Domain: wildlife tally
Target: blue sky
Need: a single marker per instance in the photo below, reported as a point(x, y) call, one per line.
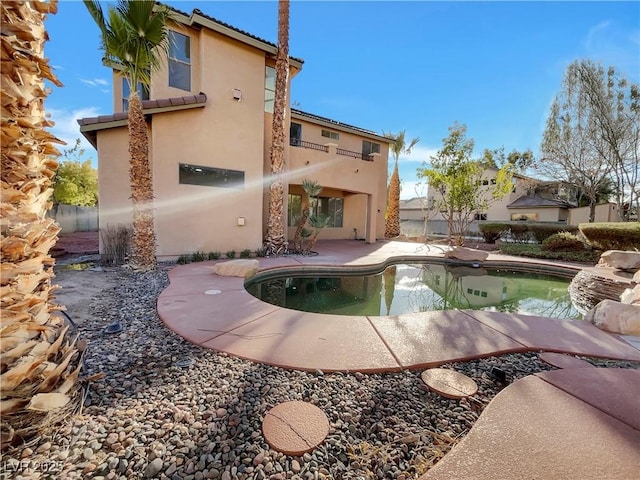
point(388, 66)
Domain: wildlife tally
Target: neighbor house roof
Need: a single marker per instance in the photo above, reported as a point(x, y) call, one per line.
point(327, 122)
point(416, 203)
point(198, 18)
point(89, 125)
point(528, 201)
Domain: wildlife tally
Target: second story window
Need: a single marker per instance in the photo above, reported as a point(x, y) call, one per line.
point(295, 134)
point(143, 93)
point(179, 61)
point(330, 134)
point(269, 89)
point(368, 148)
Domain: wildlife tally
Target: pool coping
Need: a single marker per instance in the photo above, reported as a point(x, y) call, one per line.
point(235, 322)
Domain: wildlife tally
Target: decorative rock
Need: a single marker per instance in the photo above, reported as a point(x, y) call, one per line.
point(467, 254)
point(237, 268)
point(631, 296)
point(561, 360)
point(449, 383)
point(620, 259)
point(615, 317)
point(153, 468)
point(295, 427)
point(636, 277)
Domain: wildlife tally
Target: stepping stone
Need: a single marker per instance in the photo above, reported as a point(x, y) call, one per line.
point(561, 360)
point(295, 428)
point(449, 383)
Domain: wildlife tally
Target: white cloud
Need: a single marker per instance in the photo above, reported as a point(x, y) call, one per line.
point(418, 154)
point(412, 188)
point(595, 33)
point(95, 82)
point(66, 127)
point(613, 46)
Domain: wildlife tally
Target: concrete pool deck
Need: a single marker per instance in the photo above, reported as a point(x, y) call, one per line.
point(578, 423)
point(218, 313)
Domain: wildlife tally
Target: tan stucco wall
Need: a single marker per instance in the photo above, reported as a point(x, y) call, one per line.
point(228, 134)
point(343, 173)
point(607, 212)
point(113, 177)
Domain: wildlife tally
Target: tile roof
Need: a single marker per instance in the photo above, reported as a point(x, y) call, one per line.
point(197, 11)
point(413, 203)
point(337, 124)
point(147, 105)
point(538, 201)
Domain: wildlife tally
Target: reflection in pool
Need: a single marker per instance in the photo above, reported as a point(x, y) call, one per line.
point(408, 288)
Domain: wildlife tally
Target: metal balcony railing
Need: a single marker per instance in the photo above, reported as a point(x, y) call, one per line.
point(349, 153)
point(294, 142)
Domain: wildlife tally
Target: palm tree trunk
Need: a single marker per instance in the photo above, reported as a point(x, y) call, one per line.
point(276, 239)
point(39, 362)
point(392, 225)
point(140, 178)
point(297, 239)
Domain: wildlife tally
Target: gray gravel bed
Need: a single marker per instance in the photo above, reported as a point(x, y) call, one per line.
point(149, 418)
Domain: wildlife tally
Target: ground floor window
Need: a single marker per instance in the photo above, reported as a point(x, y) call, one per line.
point(524, 216)
point(330, 207)
point(480, 216)
point(210, 177)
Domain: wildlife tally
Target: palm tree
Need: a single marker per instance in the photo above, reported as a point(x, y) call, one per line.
point(275, 241)
point(135, 38)
point(311, 189)
point(392, 216)
point(39, 361)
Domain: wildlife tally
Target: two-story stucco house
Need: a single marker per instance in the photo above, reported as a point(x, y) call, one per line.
point(209, 115)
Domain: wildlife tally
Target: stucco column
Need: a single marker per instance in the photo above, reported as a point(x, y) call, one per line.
point(370, 235)
point(331, 148)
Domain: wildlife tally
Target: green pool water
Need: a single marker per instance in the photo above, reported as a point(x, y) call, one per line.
point(409, 288)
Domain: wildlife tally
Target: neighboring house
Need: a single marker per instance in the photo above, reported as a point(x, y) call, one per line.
point(413, 209)
point(530, 199)
point(209, 113)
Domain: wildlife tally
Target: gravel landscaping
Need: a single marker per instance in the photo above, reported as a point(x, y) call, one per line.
point(171, 410)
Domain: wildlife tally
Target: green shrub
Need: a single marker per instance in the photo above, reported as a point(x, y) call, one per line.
point(261, 252)
point(563, 242)
point(184, 259)
point(612, 236)
point(213, 255)
point(535, 251)
point(231, 254)
point(519, 232)
point(541, 231)
point(492, 231)
point(198, 257)
point(246, 253)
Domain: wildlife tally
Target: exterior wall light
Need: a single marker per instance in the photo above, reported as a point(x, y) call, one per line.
point(237, 94)
point(241, 221)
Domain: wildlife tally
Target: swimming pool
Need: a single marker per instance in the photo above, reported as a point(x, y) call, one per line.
point(418, 287)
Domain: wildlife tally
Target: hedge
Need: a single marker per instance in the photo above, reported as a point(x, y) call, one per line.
point(612, 235)
point(522, 232)
point(493, 231)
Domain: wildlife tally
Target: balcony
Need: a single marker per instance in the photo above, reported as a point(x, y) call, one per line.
point(295, 142)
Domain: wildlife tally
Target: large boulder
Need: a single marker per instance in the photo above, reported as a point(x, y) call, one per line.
point(237, 268)
point(636, 277)
point(620, 260)
point(631, 296)
point(616, 317)
point(467, 254)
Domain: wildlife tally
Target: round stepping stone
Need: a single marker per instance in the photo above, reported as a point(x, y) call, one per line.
point(449, 383)
point(560, 360)
point(295, 428)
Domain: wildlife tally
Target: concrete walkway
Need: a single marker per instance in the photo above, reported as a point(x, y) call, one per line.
point(217, 312)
